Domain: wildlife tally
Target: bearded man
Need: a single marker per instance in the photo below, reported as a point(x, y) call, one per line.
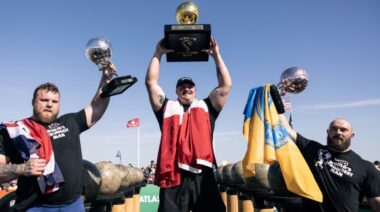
point(342, 175)
point(44, 151)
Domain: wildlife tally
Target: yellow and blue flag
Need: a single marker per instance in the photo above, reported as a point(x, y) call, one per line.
point(268, 141)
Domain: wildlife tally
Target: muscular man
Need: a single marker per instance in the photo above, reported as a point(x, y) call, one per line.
point(342, 175)
point(186, 159)
point(57, 137)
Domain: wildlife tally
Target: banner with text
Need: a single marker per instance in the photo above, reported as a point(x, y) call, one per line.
point(149, 198)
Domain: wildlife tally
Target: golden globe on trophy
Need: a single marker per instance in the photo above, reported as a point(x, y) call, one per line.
point(98, 51)
point(187, 39)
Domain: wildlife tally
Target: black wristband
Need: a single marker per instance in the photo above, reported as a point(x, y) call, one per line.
point(277, 101)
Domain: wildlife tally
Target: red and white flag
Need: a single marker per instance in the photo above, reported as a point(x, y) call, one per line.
point(287, 105)
point(133, 123)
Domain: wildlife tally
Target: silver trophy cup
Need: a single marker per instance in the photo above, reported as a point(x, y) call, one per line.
point(98, 51)
point(293, 80)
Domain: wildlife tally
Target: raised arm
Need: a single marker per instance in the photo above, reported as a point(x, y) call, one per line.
point(218, 95)
point(98, 104)
point(155, 92)
point(277, 101)
point(292, 133)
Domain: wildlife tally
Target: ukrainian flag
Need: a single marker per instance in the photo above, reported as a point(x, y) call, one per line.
point(268, 141)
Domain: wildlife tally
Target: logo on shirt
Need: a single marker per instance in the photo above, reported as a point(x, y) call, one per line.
point(323, 155)
point(57, 130)
point(336, 166)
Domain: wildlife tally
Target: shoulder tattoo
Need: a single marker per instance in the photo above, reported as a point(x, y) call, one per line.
point(214, 94)
point(162, 99)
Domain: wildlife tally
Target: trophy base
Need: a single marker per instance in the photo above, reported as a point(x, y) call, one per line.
point(117, 86)
point(187, 41)
point(186, 57)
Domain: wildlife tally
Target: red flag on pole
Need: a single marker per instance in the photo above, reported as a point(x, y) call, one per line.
point(133, 123)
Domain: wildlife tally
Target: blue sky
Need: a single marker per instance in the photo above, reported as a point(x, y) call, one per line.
point(337, 42)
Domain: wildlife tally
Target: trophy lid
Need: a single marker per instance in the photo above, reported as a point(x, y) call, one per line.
point(98, 50)
point(187, 13)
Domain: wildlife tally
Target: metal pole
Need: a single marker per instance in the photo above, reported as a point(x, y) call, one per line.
point(138, 146)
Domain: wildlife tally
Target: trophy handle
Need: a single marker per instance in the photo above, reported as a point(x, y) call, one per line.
point(112, 76)
point(109, 70)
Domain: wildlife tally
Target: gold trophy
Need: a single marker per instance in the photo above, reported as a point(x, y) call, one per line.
point(98, 51)
point(187, 38)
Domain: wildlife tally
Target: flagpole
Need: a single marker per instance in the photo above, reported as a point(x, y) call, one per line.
point(290, 114)
point(136, 123)
point(118, 155)
point(138, 146)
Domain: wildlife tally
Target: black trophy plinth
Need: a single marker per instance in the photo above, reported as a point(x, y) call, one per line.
point(187, 41)
point(117, 86)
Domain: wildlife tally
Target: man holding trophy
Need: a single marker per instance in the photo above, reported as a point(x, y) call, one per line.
point(44, 150)
point(342, 175)
point(185, 159)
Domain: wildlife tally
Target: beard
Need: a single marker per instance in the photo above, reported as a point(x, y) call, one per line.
point(47, 119)
point(337, 144)
point(186, 97)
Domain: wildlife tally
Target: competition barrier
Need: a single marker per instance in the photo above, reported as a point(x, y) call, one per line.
point(116, 188)
point(260, 193)
point(112, 187)
point(264, 192)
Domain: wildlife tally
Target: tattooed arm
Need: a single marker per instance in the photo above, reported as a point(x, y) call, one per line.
point(9, 172)
point(155, 92)
point(219, 95)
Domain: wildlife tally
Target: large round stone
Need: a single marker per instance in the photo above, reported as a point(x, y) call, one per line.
point(237, 174)
point(126, 181)
point(260, 179)
point(227, 175)
point(91, 181)
point(111, 177)
point(276, 180)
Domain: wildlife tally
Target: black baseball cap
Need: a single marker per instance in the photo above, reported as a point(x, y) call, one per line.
point(184, 80)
